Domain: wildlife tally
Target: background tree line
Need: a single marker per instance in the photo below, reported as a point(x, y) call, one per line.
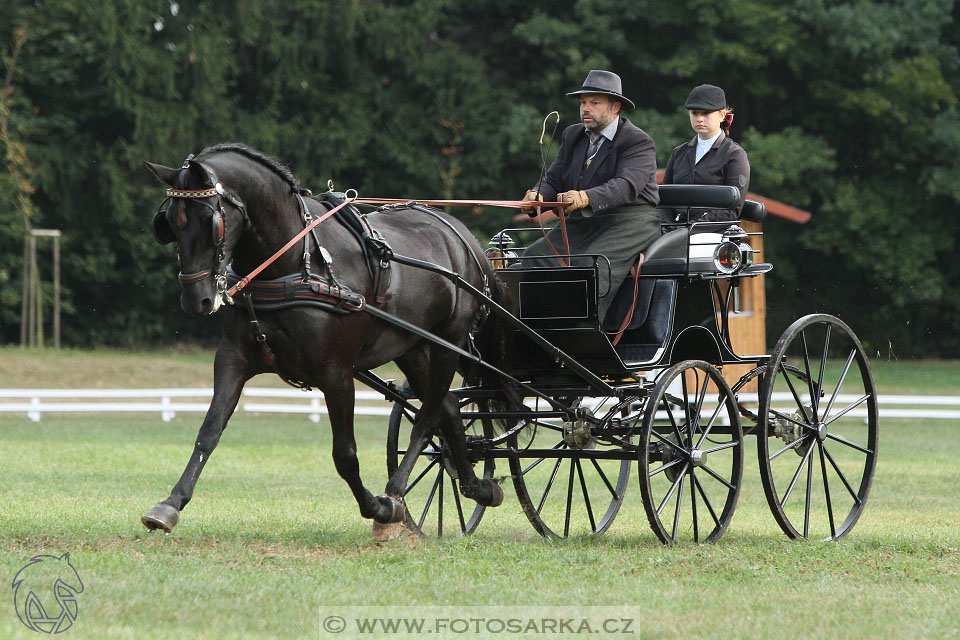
point(846, 108)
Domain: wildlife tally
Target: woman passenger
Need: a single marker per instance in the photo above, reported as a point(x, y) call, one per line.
point(711, 157)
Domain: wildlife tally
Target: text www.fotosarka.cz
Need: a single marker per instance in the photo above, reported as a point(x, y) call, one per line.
point(479, 621)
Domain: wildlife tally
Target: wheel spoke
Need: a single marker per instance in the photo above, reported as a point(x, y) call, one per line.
point(826, 491)
point(706, 501)
point(420, 476)
point(586, 496)
point(719, 478)
point(566, 520)
point(726, 445)
point(676, 510)
point(440, 503)
point(549, 486)
point(787, 448)
point(686, 405)
point(456, 499)
point(853, 405)
point(843, 478)
point(793, 390)
point(806, 365)
point(695, 418)
point(603, 476)
point(834, 436)
point(674, 445)
point(796, 475)
point(806, 506)
point(673, 488)
point(823, 366)
point(664, 467)
point(693, 502)
point(713, 418)
point(673, 420)
point(433, 492)
point(836, 391)
point(559, 445)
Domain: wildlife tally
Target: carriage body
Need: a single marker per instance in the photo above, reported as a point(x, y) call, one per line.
point(654, 393)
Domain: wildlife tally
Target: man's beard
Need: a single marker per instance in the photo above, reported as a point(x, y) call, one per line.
point(600, 122)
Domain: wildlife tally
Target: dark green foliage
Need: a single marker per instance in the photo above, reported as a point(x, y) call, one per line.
point(848, 109)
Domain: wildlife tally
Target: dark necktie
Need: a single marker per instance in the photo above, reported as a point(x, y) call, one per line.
point(593, 147)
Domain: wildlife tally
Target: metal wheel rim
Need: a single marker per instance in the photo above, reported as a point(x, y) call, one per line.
point(837, 461)
point(432, 494)
point(716, 482)
point(580, 484)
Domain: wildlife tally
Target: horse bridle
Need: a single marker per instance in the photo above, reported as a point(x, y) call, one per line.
point(219, 226)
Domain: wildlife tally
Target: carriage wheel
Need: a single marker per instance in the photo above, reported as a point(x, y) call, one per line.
point(434, 504)
point(562, 491)
point(817, 434)
point(691, 454)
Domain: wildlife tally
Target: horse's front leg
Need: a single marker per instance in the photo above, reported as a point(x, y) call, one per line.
point(229, 377)
point(340, 404)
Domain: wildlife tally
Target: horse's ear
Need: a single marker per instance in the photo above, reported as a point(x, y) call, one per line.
point(164, 174)
point(199, 172)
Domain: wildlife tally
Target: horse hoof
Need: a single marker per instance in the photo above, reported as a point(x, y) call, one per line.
point(162, 516)
point(496, 497)
point(397, 509)
point(382, 532)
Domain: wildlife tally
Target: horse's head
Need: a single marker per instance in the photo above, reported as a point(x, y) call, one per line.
point(206, 220)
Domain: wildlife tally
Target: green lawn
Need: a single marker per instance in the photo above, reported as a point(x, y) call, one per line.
point(273, 535)
point(273, 538)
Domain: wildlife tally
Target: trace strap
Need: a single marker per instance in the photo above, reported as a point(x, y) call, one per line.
point(253, 274)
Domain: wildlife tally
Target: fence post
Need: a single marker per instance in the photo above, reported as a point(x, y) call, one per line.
point(34, 415)
point(166, 414)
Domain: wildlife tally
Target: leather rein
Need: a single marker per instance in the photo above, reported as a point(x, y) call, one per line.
point(220, 227)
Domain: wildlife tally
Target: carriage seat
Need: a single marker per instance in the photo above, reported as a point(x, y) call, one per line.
point(690, 197)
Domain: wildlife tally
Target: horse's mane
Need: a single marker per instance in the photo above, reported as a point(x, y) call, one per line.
point(258, 156)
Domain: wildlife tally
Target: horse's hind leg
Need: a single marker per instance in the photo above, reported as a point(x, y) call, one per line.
point(340, 404)
point(229, 378)
point(440, 413)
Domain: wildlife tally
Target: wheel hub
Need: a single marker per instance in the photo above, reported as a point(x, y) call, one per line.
point(821, 432)
point(790, 432)
point(698, 458)
point(668, 455)
point(577, 433)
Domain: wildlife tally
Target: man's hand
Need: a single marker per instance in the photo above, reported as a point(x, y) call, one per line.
point(577, 199)
point(531, 196)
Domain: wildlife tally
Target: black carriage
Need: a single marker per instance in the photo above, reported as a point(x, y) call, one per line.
point(648, 388)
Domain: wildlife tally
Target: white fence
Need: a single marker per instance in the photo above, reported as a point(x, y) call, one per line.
point(168, 402)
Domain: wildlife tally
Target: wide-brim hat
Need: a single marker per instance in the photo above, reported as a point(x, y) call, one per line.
point(606, 83)
point(706, 97)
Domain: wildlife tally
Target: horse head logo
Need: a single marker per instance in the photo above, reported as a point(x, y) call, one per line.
point(45, 593)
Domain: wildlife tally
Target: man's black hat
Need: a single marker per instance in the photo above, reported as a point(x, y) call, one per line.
point(706, 97)
point(606, 83)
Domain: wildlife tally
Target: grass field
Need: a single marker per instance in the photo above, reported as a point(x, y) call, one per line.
point(273, 535)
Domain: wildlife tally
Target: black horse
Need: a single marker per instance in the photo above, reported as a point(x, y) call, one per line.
point(232, 205)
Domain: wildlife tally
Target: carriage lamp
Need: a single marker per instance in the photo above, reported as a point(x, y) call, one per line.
point(733, 253)
point(727, 257)
point(501, 241)
point(499, 252)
